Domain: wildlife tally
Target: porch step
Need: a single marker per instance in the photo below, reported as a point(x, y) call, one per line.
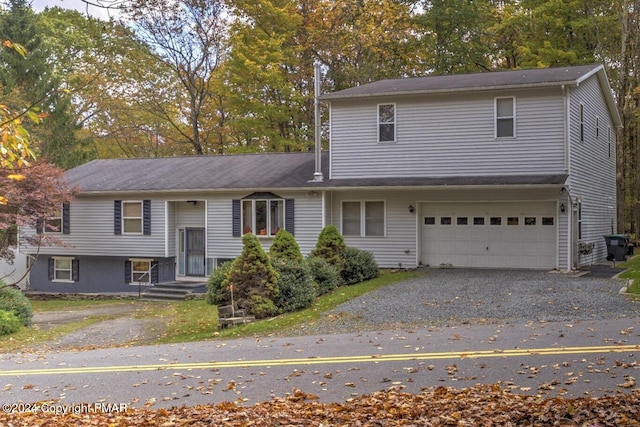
point(173, 291)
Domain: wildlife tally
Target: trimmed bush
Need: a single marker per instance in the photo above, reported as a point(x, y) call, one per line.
point(325, 275)
point(358, 266)
point(254, 280)
point(285, 246)
point(12, 300)
point(217, 294)
point(9, 323)
point(330, 246)
point(296, 286)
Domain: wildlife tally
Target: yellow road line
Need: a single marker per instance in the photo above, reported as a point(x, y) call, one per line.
point(376, 358)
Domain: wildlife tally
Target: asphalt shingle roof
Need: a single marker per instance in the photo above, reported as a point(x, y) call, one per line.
point(537, 77)
point(247, 171)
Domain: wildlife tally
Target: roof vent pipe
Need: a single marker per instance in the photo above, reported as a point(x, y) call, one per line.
point(318, 176)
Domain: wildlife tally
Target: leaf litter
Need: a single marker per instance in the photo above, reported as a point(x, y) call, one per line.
point(480, 405)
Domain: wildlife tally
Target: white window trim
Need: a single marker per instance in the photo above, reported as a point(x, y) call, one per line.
point(134, 260)
point(269, 233)
point(141, 218)
point(46, 230)
point(394, 123)
point(496, 117)
point(55, 269)
point(363, 218)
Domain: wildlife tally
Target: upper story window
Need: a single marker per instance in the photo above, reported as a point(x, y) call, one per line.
point(363, 218)
point(505, 112)
point(581, 123)
point(56, 223)
point(386, 122)
point(132, 217)
point(262, 217)
point(53, 223)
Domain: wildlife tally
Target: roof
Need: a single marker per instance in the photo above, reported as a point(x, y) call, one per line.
point(253, 172)
point(537, 77)
point(246, 171)
point(490, 80)
point(453, 181)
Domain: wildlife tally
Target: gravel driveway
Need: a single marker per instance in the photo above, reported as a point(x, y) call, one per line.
point(445, 297)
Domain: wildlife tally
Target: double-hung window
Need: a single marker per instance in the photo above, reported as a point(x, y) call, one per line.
point(64, 269)
point(386, 122)
point(505, 113)
point(262, 217)
point(363, 218)
point(53, 223)
point(132, 217)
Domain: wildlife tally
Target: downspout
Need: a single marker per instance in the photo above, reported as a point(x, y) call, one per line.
point(318, 176)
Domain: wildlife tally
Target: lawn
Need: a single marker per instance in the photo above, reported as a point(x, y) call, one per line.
point(191, 320)
point(633, 273)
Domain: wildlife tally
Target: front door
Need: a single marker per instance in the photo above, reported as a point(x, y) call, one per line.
point(194, 254)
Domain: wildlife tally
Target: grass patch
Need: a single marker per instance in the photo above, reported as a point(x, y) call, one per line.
point(197, 320)
point(633, 272)
point(41, 306)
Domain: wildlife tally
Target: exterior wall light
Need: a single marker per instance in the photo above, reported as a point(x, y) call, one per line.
point(411, 209)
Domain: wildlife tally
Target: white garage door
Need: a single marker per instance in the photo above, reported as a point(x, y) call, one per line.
point(505, 235)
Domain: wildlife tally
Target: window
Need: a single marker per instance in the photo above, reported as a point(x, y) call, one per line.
point(512, 220)
point(505, 117)
point(141, 271)
point(579, 220)
point(64, 269)
point(429, 220)
point(445, 220)
point(609, 140)
point(529, 220)
point(478, 220)
point(581, 123)
point(53, 224)
point(262, 217)
point(386, 123)
point(547, 220)
point(132, 217)
point(56, 223)
point(363, 218)
point(495, 220)
point(462, 220)
point(262, 214)
point(597, 127)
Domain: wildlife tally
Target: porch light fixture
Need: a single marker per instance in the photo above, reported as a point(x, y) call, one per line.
point(562, 208)
point(411, 209)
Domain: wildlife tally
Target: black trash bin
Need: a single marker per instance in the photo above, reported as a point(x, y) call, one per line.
point(617, 247)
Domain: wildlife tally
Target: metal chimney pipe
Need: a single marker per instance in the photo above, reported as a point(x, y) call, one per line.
point(318, 176)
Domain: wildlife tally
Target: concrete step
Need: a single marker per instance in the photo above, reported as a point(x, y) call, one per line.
point(172, 291)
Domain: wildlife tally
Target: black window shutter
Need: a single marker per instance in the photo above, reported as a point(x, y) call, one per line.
point(75, 270)
point(146, 217)
point(66, 220)
point(51, 269)
point(154, 272)
point(289, 216)
point(235, 211)
point(117, 217)
point(127, 272)
point(39, 225)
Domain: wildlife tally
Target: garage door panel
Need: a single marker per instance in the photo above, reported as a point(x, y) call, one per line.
point(505, 235)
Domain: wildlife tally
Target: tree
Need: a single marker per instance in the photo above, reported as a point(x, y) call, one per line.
point(189, 38)
point(32, 81)
point(331, 246)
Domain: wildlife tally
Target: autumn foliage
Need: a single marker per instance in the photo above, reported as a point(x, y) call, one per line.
point(481, 405)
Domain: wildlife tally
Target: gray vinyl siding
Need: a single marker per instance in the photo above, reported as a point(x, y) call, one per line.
point(222, 244)
point(400, 245)
point(592, 170)
point(92, 230)
point(449, 135)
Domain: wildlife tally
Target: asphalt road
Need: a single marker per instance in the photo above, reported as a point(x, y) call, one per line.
point(589, 358)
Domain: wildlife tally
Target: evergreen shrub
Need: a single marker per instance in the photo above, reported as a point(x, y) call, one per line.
point(295, 283)
point(9, 323)
point(330, 246)
point(285, 246)
point(358, 266)
point(325, 275)
point(14, 301)
point(217, 294)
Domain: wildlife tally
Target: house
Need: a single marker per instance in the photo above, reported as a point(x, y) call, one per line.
point(512, 169)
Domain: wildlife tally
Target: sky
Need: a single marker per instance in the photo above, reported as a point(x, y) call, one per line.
point(78, 5)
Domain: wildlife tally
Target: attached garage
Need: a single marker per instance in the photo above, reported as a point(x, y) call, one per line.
point(489, 234)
